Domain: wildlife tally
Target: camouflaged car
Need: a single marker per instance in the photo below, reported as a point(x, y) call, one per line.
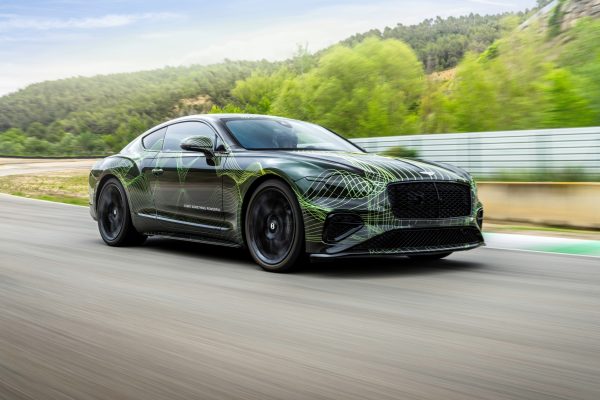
point(284, 189)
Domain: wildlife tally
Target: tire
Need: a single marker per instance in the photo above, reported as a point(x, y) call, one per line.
point(274, 228)
point(114, 217)
point(429, 257)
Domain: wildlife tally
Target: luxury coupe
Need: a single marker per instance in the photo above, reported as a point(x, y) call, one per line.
point(284, 189)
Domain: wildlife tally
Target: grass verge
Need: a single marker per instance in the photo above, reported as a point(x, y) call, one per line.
point(63, 187)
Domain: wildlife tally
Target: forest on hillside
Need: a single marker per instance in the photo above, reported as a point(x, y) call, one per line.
point(537, 77)
point(441, 43)
point(373, 84)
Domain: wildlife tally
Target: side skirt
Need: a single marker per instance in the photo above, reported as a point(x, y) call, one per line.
point(194, 238)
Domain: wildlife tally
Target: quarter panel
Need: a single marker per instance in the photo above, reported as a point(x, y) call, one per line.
point(134, 173)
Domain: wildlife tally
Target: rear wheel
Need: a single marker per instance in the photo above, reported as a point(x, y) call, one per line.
point(114, 218)
point(429, 257)
point(274, 228)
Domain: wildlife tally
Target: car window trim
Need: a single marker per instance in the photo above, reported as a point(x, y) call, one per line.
point(189, 151)
point(148, 134)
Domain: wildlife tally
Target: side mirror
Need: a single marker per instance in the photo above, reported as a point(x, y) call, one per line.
point(203, 144)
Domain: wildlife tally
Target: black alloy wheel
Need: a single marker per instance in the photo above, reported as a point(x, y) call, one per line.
point(274, 227)
point(114, 218)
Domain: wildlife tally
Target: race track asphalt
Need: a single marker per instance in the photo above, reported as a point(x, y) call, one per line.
point(173, 320)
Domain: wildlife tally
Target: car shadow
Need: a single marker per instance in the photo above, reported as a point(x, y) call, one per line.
point(195, 249)
point(342, 268)
point(386, 266)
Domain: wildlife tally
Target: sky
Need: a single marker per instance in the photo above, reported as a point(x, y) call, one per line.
point(53, 39)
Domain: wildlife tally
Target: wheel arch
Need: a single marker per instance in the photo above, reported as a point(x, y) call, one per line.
point(105, 178)
point(250, 191)
point(116, 166)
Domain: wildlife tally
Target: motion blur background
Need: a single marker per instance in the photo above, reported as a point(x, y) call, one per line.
point(507, 89)
point(380, 72)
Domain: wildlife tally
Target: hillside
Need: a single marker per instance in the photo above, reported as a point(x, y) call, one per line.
point(99, 114)
point(506, 77)
point(539, 74)
point(441, 43)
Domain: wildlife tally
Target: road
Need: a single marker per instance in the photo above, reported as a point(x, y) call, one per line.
point(171, 320)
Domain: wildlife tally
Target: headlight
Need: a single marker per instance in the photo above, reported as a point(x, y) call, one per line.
point(338, 184)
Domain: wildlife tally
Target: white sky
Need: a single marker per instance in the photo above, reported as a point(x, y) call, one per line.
point(51, 39)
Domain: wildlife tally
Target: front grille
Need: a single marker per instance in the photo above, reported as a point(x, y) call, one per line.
point(429, 200)
point(423, 239)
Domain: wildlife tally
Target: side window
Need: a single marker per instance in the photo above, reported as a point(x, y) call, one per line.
point(154, 141)
point(177, 132)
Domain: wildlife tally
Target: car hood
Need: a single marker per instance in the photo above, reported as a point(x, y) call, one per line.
point(382, 168)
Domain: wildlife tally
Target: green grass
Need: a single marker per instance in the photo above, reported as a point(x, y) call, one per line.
point(63, 199)
point(62, 187)
point(565, 175)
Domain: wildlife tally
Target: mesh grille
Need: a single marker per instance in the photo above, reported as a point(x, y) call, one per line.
point(429, 200)
point(429, 238)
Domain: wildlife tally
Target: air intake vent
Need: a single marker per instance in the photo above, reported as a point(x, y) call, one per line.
point(340, 226)
point(423, 239)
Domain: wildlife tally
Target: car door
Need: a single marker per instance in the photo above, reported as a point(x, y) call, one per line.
point(188, 191)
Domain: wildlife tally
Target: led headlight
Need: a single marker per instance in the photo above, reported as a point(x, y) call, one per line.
point(339, 184)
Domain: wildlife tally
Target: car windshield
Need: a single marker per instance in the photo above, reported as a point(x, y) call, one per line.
point(284, 134)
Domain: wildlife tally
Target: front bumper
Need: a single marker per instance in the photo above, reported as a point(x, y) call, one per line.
point(392, 222)
point(399, 252)
point(421, 238)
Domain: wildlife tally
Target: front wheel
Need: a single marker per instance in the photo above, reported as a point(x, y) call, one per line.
point(274, 227)
point(114, 218)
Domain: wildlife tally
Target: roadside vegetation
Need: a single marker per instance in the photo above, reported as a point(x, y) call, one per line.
point(99, 115)
point(65, 187)
point(564, 175)
point(400, 151)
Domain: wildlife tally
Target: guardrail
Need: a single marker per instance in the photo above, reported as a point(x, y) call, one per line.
point(486, 154)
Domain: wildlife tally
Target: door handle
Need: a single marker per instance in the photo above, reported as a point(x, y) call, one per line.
point(157, 171)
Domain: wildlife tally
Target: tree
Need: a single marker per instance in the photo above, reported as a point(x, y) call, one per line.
point(565, 106)
point(257, 93)
point(372, 88)
point(37, 130)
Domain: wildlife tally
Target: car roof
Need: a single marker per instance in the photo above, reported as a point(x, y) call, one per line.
point(223, 116)
point(208, 117)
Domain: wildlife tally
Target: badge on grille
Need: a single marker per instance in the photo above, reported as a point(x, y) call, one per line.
point(428, 173)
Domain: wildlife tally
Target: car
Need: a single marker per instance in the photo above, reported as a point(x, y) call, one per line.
point(286, 190)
